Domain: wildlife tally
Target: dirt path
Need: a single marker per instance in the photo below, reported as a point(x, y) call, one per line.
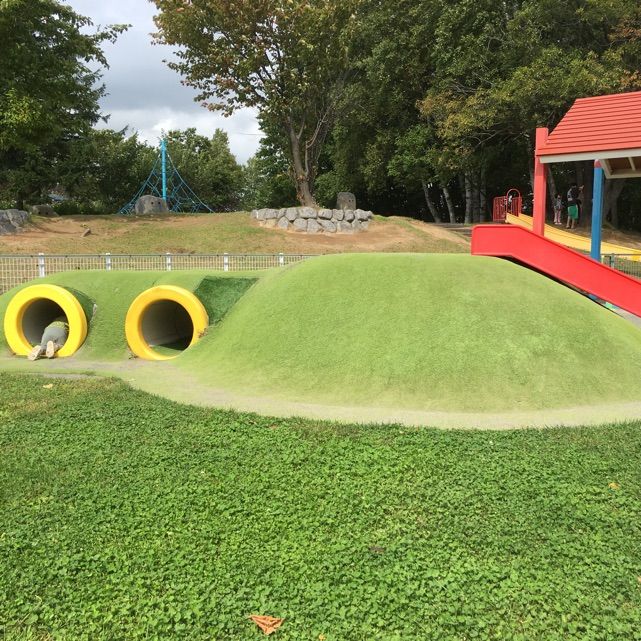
point(165, 380)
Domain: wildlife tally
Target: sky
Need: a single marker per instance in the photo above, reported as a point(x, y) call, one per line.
point(144, 93)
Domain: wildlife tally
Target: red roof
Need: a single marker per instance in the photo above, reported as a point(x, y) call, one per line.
point(604, 123)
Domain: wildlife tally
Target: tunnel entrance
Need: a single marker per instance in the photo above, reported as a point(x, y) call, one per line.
point(167, 327)
point(37, 316)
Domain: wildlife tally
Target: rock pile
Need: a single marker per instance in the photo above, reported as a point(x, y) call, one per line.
point(12, 220)
point(315, 221)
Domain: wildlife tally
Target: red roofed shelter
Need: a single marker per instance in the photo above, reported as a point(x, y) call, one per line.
point(605, 129)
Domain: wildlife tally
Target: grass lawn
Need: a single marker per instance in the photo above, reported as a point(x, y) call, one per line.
point(217, 233)
point(125, 516)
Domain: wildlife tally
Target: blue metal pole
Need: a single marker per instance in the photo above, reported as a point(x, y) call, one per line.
point(163, 153)
point(597, 212)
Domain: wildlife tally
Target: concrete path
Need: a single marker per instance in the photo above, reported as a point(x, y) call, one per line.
point(165, 380)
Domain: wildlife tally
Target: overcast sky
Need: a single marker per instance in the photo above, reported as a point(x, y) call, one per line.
point(144, 93)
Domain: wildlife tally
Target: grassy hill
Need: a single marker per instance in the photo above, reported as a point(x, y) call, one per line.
point(417, 332)
point(426, 332)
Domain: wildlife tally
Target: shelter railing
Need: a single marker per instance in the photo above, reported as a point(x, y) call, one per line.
point(627, 263)
point(18, 269)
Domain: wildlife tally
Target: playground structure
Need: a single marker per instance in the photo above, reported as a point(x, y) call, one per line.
point(165, 182)
point(606, 130)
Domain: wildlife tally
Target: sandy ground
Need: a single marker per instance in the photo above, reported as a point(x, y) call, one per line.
point(165, 380)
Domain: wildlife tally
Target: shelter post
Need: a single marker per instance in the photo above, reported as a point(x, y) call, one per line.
point(540, 184)
point(597, 211)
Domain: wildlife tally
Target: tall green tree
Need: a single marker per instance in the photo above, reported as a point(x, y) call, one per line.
point(49, 89)
point(208, 167)
point(287, 58)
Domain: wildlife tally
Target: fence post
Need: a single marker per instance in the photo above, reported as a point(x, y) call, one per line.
point(168, 261)
point(281, 259)
point(42, 272)
point(108, 261)
point(225, 262)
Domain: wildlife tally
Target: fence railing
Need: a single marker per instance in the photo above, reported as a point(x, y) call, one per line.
point(627, 263)
point(18, 269)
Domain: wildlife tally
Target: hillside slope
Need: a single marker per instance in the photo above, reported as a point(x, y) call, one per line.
point(423, 332)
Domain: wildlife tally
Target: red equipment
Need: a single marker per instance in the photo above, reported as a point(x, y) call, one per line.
point(511, 203)
point(558, 261)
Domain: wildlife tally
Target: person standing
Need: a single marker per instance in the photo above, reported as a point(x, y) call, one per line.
point(53, 338)
point(558, 209)
point(574, 203)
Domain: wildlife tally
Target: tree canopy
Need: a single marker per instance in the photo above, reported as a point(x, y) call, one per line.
point(49, 88)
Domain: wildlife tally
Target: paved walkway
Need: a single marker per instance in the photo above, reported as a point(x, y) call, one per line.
point(164, 379)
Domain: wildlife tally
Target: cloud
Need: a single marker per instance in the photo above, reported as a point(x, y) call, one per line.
point(147, 96)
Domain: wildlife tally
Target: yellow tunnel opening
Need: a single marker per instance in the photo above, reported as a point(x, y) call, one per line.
point(33, 308)
point(163, 322)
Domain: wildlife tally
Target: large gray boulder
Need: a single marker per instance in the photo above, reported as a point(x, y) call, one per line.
point(43, 210)
point(147, 205)
point(12, 220)
point(346, 200)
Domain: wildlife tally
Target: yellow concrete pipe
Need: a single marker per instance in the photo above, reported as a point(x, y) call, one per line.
point(162, 315)
point(33, 308)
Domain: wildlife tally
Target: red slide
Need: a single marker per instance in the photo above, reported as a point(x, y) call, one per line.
point(558, 261)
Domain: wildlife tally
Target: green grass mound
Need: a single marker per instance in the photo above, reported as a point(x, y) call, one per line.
point(424, 332)
point(113, 293)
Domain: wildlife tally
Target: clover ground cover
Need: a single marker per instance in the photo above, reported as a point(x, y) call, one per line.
point(126, 516)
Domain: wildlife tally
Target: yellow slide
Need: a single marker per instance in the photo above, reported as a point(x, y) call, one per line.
point(574, 241)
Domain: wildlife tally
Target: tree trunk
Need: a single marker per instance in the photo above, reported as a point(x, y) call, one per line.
point(611, 193)
point(551, 189)
point(430, 203)
point(483, 195)
point(588, 186)
point(303, 176)
point(476, 198)
point(450, 205)
point(468, 198)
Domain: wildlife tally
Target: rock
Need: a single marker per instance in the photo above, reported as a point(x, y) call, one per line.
point(283, 223)
point(345, 227)
point(147, 205)
point(258, 214)
point(339, 214)
point(85, 233)
point(325, 214)
point(356, 225)
point(300, 224)
point(312, 226)
point(12, 220)
point(271, 214)
point(328, 226)
point(349, 216)
point(345, 200)
point(365, 225)
point(291, 213)
point(44, 210)
point(363, 215)
point(307, 212)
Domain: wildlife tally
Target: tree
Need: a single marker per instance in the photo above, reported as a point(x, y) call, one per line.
point(104, 169)
point(48, 91)
point(287, 58)
point(208, 167)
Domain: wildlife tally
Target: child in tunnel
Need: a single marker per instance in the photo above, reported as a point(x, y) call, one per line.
point(53, 338)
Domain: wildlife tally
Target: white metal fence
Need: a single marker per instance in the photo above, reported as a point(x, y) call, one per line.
point(18, 269)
